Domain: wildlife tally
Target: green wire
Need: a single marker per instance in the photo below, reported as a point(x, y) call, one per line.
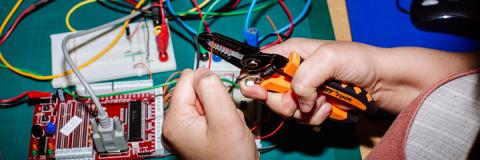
point(200, 26)
point(233, 13)
point(68, 91)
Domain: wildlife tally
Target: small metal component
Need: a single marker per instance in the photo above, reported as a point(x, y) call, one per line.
point(269, 71)
point(252, 80)
point(253, 63)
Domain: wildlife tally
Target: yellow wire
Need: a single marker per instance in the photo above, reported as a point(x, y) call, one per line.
point(14, 9)
point(93, 59)
point(201, 5)
point(73, 9)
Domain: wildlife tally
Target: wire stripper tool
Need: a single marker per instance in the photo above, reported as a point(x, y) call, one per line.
point(274, 72)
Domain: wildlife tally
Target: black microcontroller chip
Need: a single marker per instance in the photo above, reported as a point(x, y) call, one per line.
point(135, 121)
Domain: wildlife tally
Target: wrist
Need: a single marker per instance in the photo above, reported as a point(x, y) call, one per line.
point(403, 73)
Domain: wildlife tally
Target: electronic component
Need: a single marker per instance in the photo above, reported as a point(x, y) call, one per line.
point(135, 121)
point(37, 131)
point(79, 144)
point(44, 119)
point(50, 129)
point(109, 139)
point(119, 62)
point(61, 95)
point(110, 87)
point(46, 108)
point(460, 17)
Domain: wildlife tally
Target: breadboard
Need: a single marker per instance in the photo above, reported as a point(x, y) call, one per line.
point(130, 57)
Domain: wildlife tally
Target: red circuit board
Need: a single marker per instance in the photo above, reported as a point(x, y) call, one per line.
point(79, 144)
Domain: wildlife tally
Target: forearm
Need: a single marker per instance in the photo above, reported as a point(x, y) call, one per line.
point(404, 72)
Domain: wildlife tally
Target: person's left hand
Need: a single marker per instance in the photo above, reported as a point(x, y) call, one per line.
point(203, 122)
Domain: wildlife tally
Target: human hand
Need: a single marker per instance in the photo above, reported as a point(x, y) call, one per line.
point(203, 122)
point(394, 76)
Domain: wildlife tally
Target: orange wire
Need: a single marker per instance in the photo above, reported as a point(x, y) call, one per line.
point(210, 58)
point(276, 31)
point(168, 80)
point(147, 68)
point(274, 28)
point(135, 30)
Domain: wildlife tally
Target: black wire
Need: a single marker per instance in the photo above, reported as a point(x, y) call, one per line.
point(13, 104)
point(399, 7)
point(227, 7)
point(194, 38)
point(197, 50)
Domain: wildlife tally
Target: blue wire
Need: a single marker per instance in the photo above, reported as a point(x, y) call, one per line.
point(295, 21)
point(249, 13)
point(170, 8)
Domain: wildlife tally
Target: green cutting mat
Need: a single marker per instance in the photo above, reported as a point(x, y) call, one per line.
point(29, 48)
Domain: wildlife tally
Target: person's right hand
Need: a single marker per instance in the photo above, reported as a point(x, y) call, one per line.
point(394, 76)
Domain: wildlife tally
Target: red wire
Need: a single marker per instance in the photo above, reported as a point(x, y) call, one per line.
point(273, 132)
point(132, 2)
point(201, 15)
point(16, 98)
point(235, 4)
point(290, 18)
point(262, 122)
point(19, 18)
point(162, 10)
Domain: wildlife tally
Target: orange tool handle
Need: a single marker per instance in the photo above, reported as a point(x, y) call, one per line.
point(338, 93)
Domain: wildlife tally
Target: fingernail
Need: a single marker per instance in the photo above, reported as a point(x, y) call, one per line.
point(320, 100)
point(305, 108)
point(325, 108)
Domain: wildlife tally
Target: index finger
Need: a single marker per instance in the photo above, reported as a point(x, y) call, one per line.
point(302, 46)
point(220, 111)
point(184, 97)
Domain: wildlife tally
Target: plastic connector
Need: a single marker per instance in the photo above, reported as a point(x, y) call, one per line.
point(85, 153)
point(109, 138)
point(35, 97)
point(38, 95)
point(162, 43)
point(216, 58)
point(251, 36)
